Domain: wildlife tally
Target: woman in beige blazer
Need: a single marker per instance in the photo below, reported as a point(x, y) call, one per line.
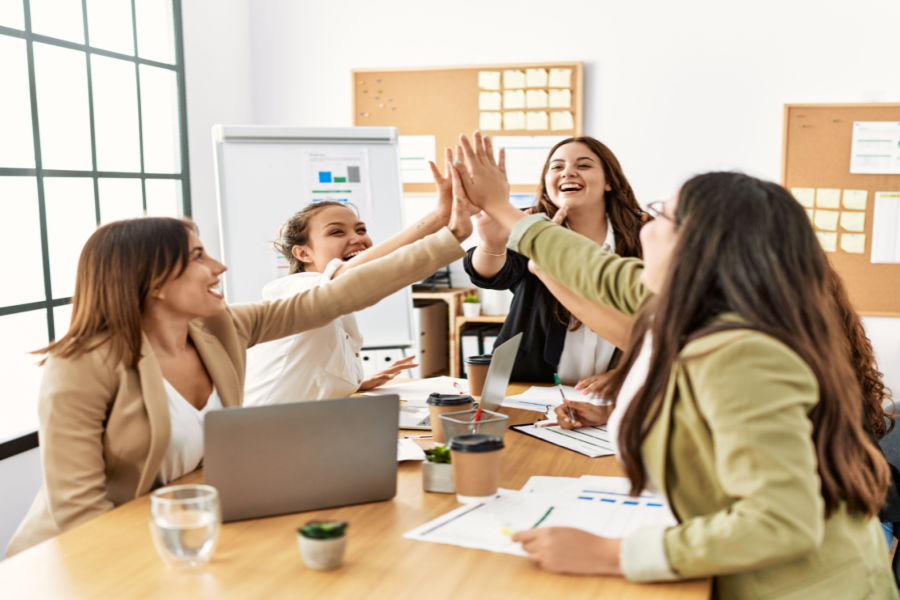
point(147, 308)
point(742, 404)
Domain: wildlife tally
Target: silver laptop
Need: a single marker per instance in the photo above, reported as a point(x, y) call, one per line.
point(285, 458)
point(495, 384)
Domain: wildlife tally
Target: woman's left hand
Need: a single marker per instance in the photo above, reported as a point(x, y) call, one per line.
point(444, 187)
point(461, 218)
point(570, 550)
point(382, 377)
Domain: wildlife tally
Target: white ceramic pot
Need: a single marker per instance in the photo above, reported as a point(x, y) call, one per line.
point(437, 477)
point(322, 554)
point(471, 309)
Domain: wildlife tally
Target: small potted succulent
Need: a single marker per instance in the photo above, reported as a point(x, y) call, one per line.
point(471, 306)
point(322, 544)
point(437, 472)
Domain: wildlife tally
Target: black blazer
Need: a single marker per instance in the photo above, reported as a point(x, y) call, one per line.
point(532, 312)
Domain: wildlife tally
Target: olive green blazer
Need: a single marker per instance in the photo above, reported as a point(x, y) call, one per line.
point(104, 427)
point(732, 451)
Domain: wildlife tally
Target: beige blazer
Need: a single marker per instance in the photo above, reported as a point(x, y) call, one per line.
point(732, 450)
point(104, 428)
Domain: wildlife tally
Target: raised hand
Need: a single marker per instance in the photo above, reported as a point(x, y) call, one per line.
point(444, 187)
point(483, 178)
point(461, 217)
point(382, 377)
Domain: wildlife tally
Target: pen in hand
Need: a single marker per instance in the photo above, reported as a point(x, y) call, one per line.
point(563, 396)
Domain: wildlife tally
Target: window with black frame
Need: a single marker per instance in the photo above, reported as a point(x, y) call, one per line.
point(92, 130)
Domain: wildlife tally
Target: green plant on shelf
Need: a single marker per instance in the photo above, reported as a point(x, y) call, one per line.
point(323, 530)
point(471, 299)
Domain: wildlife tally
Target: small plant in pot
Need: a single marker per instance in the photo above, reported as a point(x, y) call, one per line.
point(322, 544)
point(437, 472)
point(471, 306)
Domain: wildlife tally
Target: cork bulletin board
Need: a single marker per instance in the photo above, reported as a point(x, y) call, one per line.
point(501, 100)
point(842, 163)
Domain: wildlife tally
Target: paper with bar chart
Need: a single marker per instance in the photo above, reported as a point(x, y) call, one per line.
point(339, 174)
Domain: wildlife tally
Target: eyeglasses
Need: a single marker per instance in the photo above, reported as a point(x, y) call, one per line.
point(655, 209)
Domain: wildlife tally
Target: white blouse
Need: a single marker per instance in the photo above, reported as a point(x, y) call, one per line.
point(186, 440)
point(584, 352)
point(312, 365)
point(636, 377)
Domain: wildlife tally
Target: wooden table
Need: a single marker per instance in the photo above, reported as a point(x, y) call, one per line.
point(113, 555)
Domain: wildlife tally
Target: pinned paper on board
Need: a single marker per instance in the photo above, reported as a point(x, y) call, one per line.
point(875, 148)
point(489, 100)
point(560, 99)
point(489, 121)
point(886, 228)
point(560, 78)
point(805, 196)
point(525, 155)
point(414, 153)
point(561, 120)
point(853, 220)
point(828, 198)
point(513, 99)
point(855, 199)
point(536, 78)
point(536, 120)
point(853, 243)
point(514, 120)
point(828, 241)
point(489, 80)
point(826, 219)
point(340, 175)
point(536, 99)
point(513, 79)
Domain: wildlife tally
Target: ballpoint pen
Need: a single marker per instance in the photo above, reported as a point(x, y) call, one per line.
point(568, 408)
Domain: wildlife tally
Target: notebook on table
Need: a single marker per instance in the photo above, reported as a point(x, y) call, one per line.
point(285, 458)
point(492, 394)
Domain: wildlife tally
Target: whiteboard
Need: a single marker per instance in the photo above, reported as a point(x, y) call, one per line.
point(265, 174)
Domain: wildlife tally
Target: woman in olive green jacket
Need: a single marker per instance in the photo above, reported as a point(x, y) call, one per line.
point(742, 405)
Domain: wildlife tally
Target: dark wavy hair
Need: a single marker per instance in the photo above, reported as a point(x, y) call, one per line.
point(746, 246)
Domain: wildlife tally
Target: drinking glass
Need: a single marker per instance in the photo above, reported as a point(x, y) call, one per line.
point(184, 521)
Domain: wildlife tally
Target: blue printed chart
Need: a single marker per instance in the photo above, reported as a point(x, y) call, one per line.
point(339, 174)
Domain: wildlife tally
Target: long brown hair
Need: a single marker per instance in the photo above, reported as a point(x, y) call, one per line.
point(746, 246)
point(625, 214)
point(295, 232)
point(120, 264)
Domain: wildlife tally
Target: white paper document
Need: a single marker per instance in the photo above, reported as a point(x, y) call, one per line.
point(590, 441)
point(415, 151)
point(409, 450)
point(540, 398)
point(415, 393)
point(886, 228)
point(340, 174)
point(875, 148)
point(525, 155)
point(599, 505)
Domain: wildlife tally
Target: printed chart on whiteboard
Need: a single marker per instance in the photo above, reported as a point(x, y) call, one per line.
point(340, 175)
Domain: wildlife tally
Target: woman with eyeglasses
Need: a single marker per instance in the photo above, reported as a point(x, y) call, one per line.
point(742, 404)
point(583, 188)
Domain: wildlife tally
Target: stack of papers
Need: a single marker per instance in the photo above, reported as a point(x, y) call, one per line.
point(415, 393)
point(590, 441)
point(599, 505)
point(541, 399)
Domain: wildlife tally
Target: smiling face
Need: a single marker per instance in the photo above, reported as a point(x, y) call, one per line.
point(196, 292)
point(334, 232)
point(575, 178)
point(658, 238)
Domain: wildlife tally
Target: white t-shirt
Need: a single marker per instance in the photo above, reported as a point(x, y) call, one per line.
point(584, 352)
point(636, 377)
point(186, 439)
point(312, 365)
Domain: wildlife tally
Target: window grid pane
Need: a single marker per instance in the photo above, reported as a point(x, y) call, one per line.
point(17, 147)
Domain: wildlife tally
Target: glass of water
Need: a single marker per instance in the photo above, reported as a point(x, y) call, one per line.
point(184, 521)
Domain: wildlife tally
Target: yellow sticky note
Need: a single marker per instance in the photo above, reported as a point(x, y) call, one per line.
point(514, 120)
point(488, 121)
point(513, 79)
point(826, 219)
point(853, 243)
point(828, 198)
point(561, 120)
point(853, 221)
point(536, 120)
point(536, 99)
point(828, 241)
point(855, 199)
point(489, 80)
point(560, 98)
point(535, 77)
point(560, 78)
point(513, 99)
point(489, 100)
point(805, 196)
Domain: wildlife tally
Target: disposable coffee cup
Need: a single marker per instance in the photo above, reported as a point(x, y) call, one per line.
point(476, 466)
point(476, 371)
point(439, 404)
